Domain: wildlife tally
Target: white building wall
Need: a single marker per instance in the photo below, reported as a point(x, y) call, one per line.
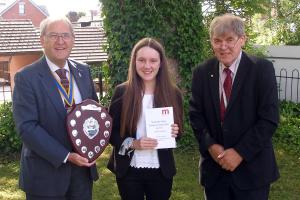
point(286, 60)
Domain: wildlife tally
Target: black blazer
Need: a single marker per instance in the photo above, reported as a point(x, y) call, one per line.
point(119, 164)
point(40, 114)
point(250, 120)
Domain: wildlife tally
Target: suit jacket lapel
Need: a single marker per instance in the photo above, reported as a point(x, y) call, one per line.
point(239, 79)
point(214, 86)
point(48, 83)
point(79, 78)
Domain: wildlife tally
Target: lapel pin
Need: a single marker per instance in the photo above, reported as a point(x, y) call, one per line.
point(211, 75)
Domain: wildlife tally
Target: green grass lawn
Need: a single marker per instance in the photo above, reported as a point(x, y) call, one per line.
point(185, 183)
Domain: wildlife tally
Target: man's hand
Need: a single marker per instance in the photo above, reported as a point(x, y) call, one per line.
point(215, 150)
point(230, 159)
point(175, 130)
point(80, 161)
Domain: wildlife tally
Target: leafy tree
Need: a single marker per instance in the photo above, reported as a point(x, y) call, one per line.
point(268, 21)
point(74, 16)
point(285, 20)
point(244, 8)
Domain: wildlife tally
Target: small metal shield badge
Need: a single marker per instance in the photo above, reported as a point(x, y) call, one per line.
point(89, 128)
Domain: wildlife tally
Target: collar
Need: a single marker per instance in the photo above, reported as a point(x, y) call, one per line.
point(53, 67)
point(233, 67)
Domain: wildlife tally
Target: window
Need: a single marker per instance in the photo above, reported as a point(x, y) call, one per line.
point(5, 86)
point(21, 8)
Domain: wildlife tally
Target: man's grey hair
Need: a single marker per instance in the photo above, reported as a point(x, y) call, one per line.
point(49, 20)
point(226, 23)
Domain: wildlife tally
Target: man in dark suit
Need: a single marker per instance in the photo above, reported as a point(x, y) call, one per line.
point(49, 168)
point(234, 113)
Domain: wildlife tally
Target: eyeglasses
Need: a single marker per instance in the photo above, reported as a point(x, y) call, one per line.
point(55, 36)
point(229, 43)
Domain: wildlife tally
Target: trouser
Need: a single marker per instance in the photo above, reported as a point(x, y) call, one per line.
point(225, 189)
point(139, 183)
point(80, 187)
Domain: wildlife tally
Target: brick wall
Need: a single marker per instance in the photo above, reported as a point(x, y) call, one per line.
point(31, 12)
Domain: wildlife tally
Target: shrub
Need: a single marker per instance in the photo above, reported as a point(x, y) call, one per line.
point(102, 71)
point(288, 132)
point(9, 139)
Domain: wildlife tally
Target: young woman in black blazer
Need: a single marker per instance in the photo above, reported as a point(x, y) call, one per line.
point(141, 170)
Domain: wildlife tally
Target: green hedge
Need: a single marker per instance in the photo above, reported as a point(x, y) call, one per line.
point(287, 134)
point(9, 139)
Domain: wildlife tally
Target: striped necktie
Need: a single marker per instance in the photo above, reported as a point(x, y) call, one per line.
point(64, 81)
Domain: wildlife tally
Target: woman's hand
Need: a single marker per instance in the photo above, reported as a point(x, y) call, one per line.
point(144, 143)
point(175, 130)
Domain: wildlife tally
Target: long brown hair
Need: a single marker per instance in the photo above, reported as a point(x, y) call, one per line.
point(166, 92)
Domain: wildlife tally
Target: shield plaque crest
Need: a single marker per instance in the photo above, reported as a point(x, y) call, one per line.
point(89, 128)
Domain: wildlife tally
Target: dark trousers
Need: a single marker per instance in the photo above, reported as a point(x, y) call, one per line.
point(225, 189)
point(144, 182)
point(80, 187)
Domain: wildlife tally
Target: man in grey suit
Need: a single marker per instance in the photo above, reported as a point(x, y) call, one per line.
point(49, 168)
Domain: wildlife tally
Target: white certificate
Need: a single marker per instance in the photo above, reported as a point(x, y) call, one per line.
point(158, 126)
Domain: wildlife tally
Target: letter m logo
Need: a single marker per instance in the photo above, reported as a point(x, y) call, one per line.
point(165, 111)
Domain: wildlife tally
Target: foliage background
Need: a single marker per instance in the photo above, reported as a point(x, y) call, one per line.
point(9, 139)
point(288, 132)
point(176, 24)
point(182, 27)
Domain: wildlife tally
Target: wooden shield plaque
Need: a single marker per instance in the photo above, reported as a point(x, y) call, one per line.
point(89, 128)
